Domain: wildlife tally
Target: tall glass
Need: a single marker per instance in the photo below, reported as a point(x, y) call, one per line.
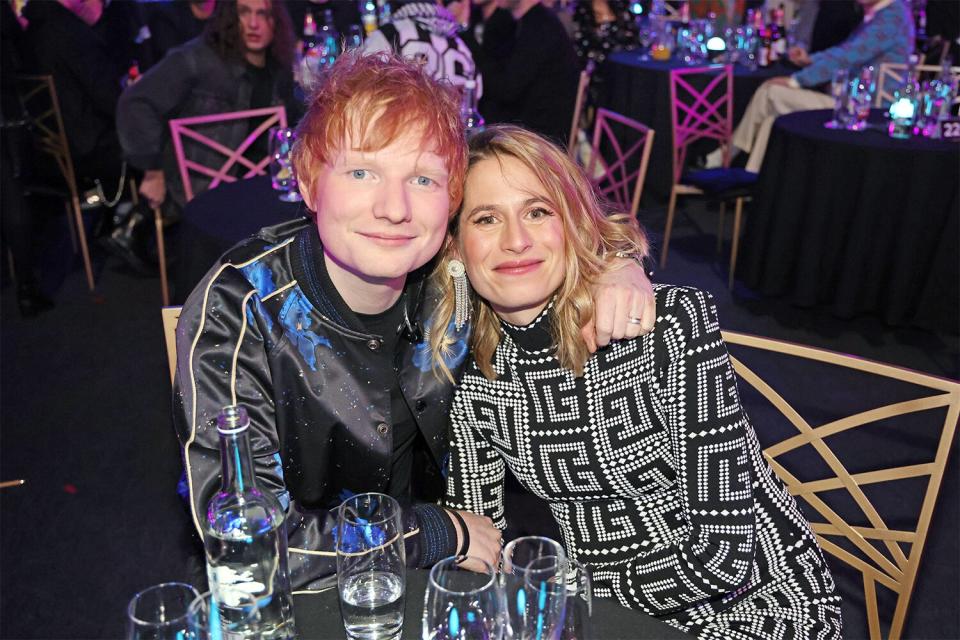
point(545, 591)
point(861, 99)
point(840, 89)
point(371, 564)
point(282, 175)
point(210, 619)
point(160, 612)
point(461, 604)
point(517, 556)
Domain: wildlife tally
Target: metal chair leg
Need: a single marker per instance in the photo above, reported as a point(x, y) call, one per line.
point(737, 219)
point(720, 227)
point(82, 241)
point(671, 210)
point(162, 255)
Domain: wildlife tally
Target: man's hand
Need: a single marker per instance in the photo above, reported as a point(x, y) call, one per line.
point(783, 81)
point(153, 188)
point(799, 56)
point(485, 540)
point(623, 292)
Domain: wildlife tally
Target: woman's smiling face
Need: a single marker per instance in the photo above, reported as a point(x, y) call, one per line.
point(511, 239)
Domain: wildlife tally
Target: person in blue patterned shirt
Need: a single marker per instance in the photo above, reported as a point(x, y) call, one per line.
point(885, 35)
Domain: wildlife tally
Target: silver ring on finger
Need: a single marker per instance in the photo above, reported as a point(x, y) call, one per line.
point(634, 320)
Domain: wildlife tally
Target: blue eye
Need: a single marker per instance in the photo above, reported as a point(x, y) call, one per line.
point(359, 174)
point(424, 181)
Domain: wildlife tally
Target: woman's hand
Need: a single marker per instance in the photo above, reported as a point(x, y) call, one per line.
point(486, 541)
point(624, 305)
point(153, 188)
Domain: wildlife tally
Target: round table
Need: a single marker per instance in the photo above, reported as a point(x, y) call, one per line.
point(640, 89)
point(318, 616)
point(857, 222)
point(216, 220)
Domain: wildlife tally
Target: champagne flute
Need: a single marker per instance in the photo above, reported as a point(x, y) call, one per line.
point(371, 565)
point(160, 612)
point(517, 556)
point(545, 591)
point(579, 605)
point(461, 604)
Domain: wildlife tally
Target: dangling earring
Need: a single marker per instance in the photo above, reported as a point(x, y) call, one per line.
point(461, 294)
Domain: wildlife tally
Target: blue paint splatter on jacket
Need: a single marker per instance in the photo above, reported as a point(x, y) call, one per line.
point(297, 323)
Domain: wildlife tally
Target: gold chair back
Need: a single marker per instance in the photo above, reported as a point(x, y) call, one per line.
point(171, 315)
point(38, 97)
point(882, 549)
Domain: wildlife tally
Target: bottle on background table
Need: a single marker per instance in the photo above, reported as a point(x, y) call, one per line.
point(905, 107)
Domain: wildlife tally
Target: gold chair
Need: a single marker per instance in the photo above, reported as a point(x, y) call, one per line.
point(881, 549)
point(38, 96)
point(896, 73)
point(171, 315)
point(582, 86)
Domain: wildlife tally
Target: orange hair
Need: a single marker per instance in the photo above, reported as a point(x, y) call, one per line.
point(372, 100)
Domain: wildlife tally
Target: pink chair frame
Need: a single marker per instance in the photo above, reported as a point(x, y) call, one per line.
point(615, 182)
point(182, 127)
point(700, 117)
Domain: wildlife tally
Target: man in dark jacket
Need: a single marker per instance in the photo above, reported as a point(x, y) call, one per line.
point(243, 61)
point(530, 71)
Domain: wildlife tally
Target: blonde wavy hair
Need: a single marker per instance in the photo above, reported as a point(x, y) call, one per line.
point(591, 231)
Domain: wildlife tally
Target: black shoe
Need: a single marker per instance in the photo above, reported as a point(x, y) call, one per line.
point(118, 243)
point(31, 302)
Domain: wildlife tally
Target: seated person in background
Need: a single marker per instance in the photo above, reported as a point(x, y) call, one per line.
point(529, 69)
point(822, 24)
point(171, 24)
point(642, 450)
point(61, 41)
point(242, 61)
point(602, 27)
point(426, 33)
point(886, 35)
point(317, 326)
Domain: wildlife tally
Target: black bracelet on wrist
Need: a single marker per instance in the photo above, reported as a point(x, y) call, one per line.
point(465, 544)
point(636, 257)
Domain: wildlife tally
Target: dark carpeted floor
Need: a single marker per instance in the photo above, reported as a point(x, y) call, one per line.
point(84, 402)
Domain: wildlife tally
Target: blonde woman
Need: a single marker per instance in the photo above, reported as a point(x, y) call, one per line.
point(642, 450)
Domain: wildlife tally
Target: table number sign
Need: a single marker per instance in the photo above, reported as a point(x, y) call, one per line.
point(950, 129)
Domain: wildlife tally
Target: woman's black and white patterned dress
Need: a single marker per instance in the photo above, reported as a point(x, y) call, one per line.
point(653, 473)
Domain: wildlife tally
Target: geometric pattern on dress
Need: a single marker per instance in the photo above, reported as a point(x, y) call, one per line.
point(653, 474)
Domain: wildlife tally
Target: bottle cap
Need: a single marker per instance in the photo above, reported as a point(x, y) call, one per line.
point(233, 419)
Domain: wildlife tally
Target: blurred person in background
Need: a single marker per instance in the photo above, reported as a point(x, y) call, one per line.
point(426, 33)
point(530, 69)
point(242, 61)
point(885, 35)
point(602, 27)
point(173, 23)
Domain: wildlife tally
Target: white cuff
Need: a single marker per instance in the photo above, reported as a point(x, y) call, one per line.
point(792, 81)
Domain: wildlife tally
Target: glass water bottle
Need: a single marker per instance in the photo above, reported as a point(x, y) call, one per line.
point(245, 538)
point(469, 116)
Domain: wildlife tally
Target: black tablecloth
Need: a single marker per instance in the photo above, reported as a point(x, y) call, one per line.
point(318, 616)
point(857, 222)
point(640, 89)
point(217, 219)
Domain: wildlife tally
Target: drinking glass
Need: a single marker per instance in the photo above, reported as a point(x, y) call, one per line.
point(160, 612)
point(840, 90)
point(579, 605)
point(517, 556)
point(354, 39)
point(545, 592)
point(282, 175)
point(461, 604)
point(371, 561)
point(213, 619)
point(861, 98)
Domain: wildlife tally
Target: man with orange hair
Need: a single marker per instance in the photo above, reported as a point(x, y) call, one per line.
point(315, 325)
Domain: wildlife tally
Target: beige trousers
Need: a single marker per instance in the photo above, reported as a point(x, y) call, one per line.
point(768, 102)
